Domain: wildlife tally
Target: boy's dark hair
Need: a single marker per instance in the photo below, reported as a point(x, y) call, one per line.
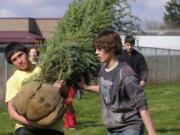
point(12, 48)
point(130, 39)
point(108, 40)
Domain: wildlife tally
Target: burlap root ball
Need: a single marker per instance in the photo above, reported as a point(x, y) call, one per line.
point(39, 103)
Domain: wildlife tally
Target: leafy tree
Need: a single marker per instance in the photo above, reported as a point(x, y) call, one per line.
point(69, 53)
point(124, 20)
point(172, 14)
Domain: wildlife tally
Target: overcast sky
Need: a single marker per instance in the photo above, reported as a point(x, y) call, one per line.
point(33, 8)
point(149, 10)
point(144, 9)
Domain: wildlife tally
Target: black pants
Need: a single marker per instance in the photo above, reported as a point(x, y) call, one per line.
point(29, 131)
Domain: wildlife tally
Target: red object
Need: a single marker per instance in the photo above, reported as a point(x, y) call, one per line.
point(69, 115)
point(69, 120)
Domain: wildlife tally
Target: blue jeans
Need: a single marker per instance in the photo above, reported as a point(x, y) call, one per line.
point(127, 132)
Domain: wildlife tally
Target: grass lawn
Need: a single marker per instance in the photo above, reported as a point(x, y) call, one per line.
point(163, 100)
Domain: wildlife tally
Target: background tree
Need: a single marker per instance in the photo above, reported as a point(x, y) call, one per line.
point(172, 14)
point(154, 25)
point(69, 53)
point(124, 20)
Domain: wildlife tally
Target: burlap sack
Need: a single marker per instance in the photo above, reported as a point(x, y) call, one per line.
point(39, 103)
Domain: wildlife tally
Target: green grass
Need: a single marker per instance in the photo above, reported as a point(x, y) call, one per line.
point(6, 126)
point(164, 104)
point(163, 100)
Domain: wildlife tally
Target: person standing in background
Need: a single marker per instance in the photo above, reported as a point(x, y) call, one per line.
point(34, 55)
point(135, 60)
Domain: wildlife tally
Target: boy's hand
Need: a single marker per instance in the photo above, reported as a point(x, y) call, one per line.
point(62, 88)
point(142, 83)
point(59, 84)
point(81, 83)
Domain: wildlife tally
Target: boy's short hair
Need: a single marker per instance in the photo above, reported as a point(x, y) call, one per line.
point(108, 40)
point(12, 48)
point(129, 39)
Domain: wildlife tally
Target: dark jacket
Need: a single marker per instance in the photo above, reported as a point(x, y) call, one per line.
point(137, 62)
point(127, 100)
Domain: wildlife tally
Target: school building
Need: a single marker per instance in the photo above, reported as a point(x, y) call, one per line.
point(27, 30)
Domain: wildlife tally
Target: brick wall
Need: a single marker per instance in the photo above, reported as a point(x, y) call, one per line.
point(44, 27)
point(47, 26)
point(14, 24)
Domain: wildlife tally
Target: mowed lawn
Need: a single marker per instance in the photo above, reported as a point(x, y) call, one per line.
point(164, 105)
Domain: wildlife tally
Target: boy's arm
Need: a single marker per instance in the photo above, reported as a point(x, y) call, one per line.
point(92, 88)
point(15, 116)
point(145, 115)
point(84, 86)
point(136, 94)
point(143, 71)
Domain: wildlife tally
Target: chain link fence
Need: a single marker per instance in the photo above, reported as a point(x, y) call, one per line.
point(163, 64)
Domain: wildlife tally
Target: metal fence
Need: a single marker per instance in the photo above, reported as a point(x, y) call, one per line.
point(163, 64)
